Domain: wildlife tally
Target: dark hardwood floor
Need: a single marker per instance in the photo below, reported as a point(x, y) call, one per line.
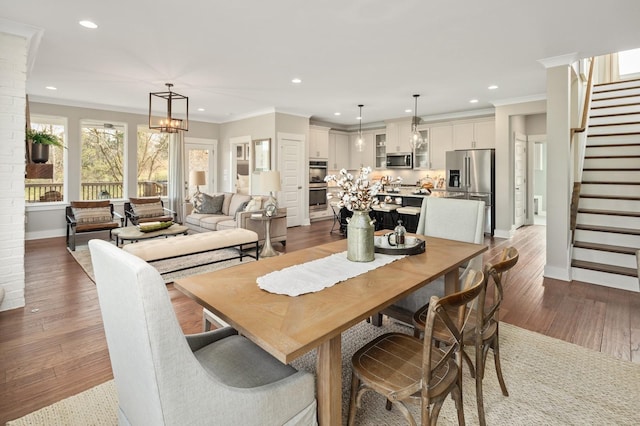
point(55, 346)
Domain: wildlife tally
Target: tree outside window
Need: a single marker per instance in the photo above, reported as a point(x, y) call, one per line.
point(153, 163)
point(102, 161)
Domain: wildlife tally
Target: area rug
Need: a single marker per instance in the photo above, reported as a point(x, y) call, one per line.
point(550, 382)
point(195, 263)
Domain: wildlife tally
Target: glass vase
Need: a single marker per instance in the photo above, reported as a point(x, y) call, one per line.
point(360, 237)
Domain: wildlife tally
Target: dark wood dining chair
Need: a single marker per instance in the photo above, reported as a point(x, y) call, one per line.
point(482, 329)
point(404, 368)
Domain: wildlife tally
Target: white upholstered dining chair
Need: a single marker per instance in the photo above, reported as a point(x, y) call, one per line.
point(451, 218)
point(166, 378)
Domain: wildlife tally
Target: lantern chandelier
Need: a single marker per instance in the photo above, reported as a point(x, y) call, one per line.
point(416, 139)
point(360, 139)
point(168, 111)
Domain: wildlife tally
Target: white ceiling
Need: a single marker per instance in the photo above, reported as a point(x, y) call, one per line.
point(237, 58)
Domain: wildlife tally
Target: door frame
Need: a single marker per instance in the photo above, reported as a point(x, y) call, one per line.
point(517, 136)
point(206, 144)
point(531, 142)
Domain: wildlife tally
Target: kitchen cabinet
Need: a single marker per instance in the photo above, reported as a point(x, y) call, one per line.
point(441, 141)
point(364, 158)
point(381, 150)
point(338, 150)
point(474, 135)
point(422, 153)
point(398, 135)
point(319, 142)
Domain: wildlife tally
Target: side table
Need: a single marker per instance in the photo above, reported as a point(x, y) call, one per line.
point(267, 249)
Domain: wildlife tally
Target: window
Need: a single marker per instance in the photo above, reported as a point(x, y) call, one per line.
point(629, 63)
point(153, 162)
point(102, 146)
point(49, 190)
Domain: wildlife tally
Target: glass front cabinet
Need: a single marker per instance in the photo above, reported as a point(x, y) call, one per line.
point(421, 154)
point(381, 150)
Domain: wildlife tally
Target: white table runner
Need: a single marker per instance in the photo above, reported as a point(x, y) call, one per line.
point(318, 274)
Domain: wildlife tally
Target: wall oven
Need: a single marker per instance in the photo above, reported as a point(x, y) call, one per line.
point(317, 185)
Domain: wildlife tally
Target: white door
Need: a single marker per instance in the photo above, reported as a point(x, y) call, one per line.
point(293, 176)
point(520, 180)
point(200, 154)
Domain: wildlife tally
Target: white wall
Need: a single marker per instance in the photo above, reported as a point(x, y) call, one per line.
point(13, 76)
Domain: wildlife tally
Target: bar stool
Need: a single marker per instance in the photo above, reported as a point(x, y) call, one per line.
point(386, 215)
point(409, 216)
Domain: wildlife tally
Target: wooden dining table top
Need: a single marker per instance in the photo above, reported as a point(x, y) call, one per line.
point(288, 327)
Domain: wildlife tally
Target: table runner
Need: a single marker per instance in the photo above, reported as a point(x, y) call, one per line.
point(318, 274)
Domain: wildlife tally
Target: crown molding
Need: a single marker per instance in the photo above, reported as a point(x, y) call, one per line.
point(558, 61)
point(521, 100)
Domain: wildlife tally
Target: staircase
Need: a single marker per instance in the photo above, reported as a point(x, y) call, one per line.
point(608, 222)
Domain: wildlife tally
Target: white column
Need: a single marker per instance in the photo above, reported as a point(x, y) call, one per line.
point(13, 75)
point(559, 173)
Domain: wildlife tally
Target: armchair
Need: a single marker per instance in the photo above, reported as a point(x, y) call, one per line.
point(90, 216)
point(166, 378)
point(140, 210)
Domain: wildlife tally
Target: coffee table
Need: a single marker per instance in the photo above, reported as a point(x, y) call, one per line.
point(132, 233)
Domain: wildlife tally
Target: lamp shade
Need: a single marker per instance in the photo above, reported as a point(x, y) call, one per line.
point(270, 181)
point(197, 177)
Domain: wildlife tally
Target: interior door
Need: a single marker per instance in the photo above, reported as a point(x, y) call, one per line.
point(520, 180)
point(293, 176)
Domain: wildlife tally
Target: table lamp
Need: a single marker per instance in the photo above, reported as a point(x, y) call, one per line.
point(270, 182)
point(197, 178)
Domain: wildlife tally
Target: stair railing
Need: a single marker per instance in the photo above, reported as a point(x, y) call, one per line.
point(578, 149)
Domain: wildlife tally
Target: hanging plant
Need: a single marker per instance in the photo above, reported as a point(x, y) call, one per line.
point(40, 143)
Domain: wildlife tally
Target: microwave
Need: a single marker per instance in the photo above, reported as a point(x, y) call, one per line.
point(400, 160)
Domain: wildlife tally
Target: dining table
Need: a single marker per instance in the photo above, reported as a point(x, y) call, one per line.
point(288, 327)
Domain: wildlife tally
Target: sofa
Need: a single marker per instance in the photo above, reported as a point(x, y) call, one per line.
point(201, 215)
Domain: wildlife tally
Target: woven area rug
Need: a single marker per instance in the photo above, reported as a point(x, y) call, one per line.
point(83, 257)
point(550, 382)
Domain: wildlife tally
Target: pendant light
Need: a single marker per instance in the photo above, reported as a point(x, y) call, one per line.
point(360, 139)
point(168, 111)
point(416, 138)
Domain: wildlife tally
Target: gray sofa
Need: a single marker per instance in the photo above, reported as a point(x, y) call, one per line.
point(232, 218)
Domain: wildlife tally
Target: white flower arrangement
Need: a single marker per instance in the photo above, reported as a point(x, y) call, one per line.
point(357, 192)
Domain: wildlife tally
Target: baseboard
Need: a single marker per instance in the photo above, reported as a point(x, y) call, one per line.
point(49, 233)
point(556, 273)
point(502, 233)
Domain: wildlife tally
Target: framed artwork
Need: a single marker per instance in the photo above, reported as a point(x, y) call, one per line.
point(261, 155)
point(240, 152)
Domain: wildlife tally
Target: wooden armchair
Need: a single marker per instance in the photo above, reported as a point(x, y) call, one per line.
point(140, 210)
point(90, 216)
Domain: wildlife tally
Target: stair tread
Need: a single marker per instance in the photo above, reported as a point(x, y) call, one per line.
point(606, 182)
point(610, 156)
point(612, 269)
point(617, 114)
point(615, 134)
point(611, 83)
point(605, 247)
point(630, 123)
point(610, 212)
point(613, 145)
point(611, 229)
point(611, 169)
point(610, 197)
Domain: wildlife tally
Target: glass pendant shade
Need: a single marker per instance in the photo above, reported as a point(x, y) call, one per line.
point(416, 138)
point(360, 140)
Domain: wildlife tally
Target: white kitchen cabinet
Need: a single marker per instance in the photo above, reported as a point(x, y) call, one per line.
point(474, 135)
point(398, 135)
point(338, 151)
point(380, 140)
point(441, 138)
point(364, 158)
point(319, 142)
point(421, 154)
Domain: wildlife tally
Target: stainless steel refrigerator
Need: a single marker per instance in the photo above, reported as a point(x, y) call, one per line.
point(473, 172)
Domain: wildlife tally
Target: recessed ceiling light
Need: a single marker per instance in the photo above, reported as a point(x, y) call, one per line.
point(493, 87)
point(88, 24)
point(336, 113)
point(51, 88)
point(473, 101)
point(200, 109)
point(296, 81)
point(408, 110)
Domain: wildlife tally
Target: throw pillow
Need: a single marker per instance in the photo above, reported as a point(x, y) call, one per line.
point(148, 209)
point(92, 215)
point(254, 204)
point(241, 208)
point(208, 204)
